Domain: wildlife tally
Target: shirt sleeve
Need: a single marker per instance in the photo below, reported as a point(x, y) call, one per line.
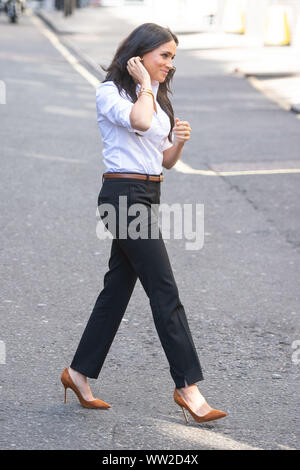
point(114, 107)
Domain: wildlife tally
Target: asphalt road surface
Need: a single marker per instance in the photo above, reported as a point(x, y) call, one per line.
point(240, 291)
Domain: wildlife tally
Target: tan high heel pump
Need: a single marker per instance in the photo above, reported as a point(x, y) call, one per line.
point(210, 416)
point(68, 383)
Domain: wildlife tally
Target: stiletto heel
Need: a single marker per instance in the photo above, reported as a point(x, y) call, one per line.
point(68, 383)
point(186, 418)
point(210, 416)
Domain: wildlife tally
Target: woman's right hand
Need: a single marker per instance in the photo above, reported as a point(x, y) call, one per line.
point(138, 72)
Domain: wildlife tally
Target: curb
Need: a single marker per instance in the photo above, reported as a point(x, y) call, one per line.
point(256, 82)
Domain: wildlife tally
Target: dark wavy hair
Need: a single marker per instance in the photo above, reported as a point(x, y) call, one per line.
point(145, 38)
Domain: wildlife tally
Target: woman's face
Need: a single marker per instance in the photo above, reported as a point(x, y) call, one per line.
point(159, 61)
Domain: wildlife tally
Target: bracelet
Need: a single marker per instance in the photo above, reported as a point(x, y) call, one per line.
point(146, 89)
point(150, 93)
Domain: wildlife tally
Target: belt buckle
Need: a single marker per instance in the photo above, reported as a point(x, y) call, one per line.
point(161, 177)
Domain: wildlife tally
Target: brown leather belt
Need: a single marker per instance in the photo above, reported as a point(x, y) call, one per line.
point(138, 176)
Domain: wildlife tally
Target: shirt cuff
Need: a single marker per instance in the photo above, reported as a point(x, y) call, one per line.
point(129, 126)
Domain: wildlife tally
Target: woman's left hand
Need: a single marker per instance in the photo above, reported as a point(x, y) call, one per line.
point(182, 130)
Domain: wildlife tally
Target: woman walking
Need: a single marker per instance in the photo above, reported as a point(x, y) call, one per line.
point(136, 121)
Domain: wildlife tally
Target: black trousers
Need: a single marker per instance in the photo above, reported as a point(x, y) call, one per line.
point(146, 259)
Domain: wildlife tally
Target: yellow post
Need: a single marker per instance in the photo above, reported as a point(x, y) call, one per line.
point(233, 17)
point(276, 27)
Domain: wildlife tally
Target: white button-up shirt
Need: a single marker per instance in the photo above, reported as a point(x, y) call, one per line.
point(126, 149)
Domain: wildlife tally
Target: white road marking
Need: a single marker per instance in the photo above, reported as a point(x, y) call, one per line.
point(63, 111)
point(285, 447)
point(50, 157)
point(185, 168)
point(195, 434)
point(65, 53)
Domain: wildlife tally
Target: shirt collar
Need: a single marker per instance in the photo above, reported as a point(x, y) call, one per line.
point(154, 86)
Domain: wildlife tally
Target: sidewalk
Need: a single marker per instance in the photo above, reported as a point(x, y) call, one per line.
point(94, 34)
